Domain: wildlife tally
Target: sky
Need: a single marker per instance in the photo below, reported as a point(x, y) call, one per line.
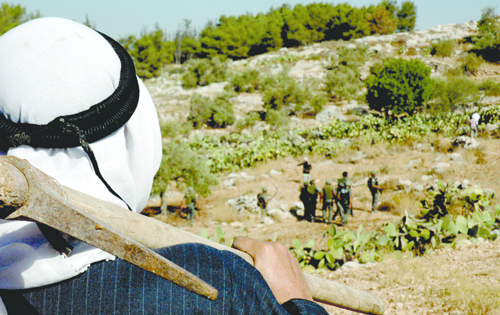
point(120, 18)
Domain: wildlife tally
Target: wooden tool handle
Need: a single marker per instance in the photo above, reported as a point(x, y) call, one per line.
point(13, 191)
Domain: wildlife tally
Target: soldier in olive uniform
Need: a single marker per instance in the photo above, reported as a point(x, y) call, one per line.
point(304, 195)
point(328, 196)
point(190, 198)
point(262, 201)
point(344, 193)
point(374, 189)
point(313, 192)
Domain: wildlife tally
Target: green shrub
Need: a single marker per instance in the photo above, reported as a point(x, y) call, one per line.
point(181, 164)
point(283, 92)
point(318, 102)
point(490, 87)
point(351, 58)
point(471, 63)
point(246, 81)
point(452, 92)
point(443, 48)
point(175, 128)
point(399, 86)
point(250, 119)
point(343, 80)
point(215, 113)
point(277, 118)
point(202, 72)
point(488, 42)
point(343, 83)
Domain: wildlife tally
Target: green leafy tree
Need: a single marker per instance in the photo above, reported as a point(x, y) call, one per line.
point(150, 52)
point(184, 166)
point(347, 22)
point(488, 41)
point(381, 21)
point(235, 37)
point(390, 5)
point(14, 15)
point(399, 86)
point(407, 16)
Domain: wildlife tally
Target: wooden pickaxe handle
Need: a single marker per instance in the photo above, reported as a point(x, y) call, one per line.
point(14, 193)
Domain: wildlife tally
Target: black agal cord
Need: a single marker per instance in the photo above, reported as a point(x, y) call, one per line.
point(85, 127)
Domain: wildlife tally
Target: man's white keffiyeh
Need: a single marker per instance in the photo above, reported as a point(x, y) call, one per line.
point(51, 67)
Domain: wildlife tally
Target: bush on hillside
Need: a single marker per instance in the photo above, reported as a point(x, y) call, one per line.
point(490, 87)
point(471, 63)
point(174, 129)
point(453, 92)
point(282, 92)
point(277, 119)
point(399, 86)
point(444, 48)
point(181, 164)
point(343, 81)
point(246, 81)
point(249, 120)
point(202, 72)
point(215, 112)
point(487, 44)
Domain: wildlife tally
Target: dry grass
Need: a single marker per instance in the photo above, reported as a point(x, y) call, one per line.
point(443, 287)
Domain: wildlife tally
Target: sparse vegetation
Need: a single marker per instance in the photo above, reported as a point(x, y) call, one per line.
point(444, 48)
point(216, 112)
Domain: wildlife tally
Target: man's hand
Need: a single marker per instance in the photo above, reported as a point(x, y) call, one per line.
point(278, 266)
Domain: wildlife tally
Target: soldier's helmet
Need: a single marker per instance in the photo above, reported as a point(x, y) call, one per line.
point(373, 173)
point(328, 181)
point(264, 189)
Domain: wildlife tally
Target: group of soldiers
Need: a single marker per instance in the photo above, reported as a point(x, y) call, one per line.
point(309, 193)
point(341, 195)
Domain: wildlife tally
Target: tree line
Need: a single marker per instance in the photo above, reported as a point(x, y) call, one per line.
point(240, 37)
point(247, 35)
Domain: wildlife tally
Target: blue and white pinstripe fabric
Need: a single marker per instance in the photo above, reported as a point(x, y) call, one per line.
point(118, 287)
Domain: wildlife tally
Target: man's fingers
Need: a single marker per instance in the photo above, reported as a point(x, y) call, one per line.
point(248, 245)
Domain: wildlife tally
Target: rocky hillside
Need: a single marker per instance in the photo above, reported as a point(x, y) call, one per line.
point(310, 62)
point(447, 281)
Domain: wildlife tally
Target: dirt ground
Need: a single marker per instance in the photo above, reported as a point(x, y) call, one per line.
point(465, 280)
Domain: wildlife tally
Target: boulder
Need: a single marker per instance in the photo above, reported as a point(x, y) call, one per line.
point(274, 172)
point(440, 168)
point(465, 142)
point(457, 157)
point(267, 221)
point(236, 224)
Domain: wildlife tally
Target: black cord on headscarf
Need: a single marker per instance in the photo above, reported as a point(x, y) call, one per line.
point(80, 129)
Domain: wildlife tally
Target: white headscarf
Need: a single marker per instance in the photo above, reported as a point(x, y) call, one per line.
point(51, 67)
